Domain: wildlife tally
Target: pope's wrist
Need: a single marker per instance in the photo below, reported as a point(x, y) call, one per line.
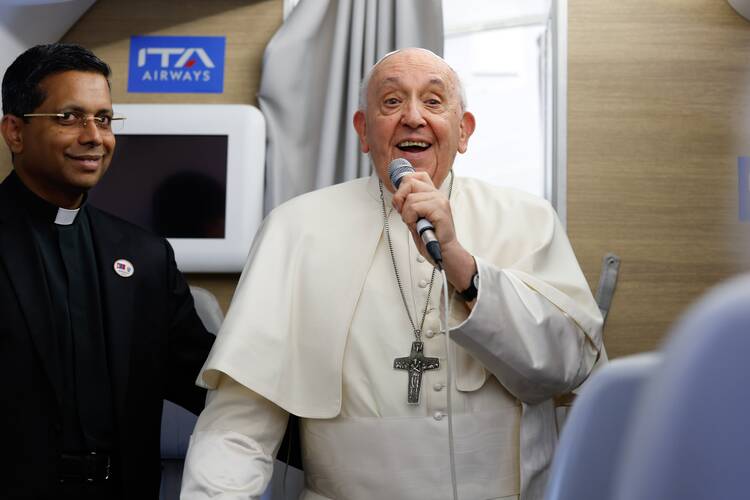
point(459, 266)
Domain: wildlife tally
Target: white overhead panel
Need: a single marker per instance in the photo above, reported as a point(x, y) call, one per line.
point(25, 23)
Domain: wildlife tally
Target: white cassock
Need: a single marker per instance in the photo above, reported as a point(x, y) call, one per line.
point(317, 320)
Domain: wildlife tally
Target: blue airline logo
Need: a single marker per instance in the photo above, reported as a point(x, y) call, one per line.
point(167, 64)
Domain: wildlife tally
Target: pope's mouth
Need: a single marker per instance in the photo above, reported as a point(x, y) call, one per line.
point(413, 146)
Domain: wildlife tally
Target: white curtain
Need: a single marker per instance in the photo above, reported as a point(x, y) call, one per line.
point(312, 69)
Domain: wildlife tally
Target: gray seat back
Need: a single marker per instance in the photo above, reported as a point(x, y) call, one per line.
point(595, 429)
point(691, 435)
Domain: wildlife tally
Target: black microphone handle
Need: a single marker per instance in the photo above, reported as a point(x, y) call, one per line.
point(427, 233)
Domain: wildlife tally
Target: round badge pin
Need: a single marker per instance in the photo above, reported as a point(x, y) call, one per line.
point(124, 268)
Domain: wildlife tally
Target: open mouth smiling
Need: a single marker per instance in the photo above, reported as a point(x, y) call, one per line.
point(413, 146)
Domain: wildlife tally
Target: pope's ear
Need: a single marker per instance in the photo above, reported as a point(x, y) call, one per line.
point(360, 125)
point(466, 128)
point(11, 127)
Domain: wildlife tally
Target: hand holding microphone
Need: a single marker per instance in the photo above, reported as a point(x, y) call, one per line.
point(397, 169)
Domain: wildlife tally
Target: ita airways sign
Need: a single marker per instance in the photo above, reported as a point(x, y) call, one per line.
point(176, 64)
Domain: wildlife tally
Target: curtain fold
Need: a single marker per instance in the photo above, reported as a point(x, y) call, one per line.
point(309, 88)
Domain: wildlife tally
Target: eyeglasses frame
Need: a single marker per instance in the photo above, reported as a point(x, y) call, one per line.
point(81, 122)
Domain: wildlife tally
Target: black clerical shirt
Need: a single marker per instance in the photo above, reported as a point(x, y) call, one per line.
point(65, 245)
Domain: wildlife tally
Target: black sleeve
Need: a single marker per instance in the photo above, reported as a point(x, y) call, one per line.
point(188, 342)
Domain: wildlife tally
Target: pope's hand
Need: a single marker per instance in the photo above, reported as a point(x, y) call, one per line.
point(418, 197)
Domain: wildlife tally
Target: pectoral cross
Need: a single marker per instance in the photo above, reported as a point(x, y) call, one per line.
point(416, 363)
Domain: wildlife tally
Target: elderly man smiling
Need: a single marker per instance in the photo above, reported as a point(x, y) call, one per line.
point(339, 288)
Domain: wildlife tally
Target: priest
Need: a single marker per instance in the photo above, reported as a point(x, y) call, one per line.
point(97, 324)
point(337, 319)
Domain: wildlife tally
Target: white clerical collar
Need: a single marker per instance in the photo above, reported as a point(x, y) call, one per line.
point(66, 217)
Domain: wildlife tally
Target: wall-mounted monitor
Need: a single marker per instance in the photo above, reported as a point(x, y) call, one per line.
point(192, 173)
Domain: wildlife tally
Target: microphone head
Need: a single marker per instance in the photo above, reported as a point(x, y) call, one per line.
point(397, 169)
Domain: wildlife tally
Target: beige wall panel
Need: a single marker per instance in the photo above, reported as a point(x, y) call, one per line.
point(248, 26)
point(5, 163)
point(658, 106)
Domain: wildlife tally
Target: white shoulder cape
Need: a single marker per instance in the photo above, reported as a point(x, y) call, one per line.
point(286, 330)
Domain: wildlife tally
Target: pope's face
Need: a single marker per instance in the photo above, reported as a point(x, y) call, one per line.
point(413, 112)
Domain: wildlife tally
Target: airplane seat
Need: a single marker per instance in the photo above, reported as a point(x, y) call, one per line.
point(690, 436)
point(596, 428)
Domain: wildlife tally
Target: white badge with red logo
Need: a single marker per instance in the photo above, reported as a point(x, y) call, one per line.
point(124, 268)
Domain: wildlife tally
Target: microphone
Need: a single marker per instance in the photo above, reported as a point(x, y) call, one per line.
point(397, 169)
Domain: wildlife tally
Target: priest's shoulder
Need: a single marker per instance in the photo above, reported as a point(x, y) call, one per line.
point(106, 224)
point(324, 205)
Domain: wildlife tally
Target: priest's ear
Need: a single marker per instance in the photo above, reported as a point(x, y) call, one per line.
point(11, 127)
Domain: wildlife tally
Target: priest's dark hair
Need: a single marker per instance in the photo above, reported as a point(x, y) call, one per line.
point(21, 91)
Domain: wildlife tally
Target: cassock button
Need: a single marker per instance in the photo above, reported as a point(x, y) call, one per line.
point(438, 387)
point(423, 283)
point(438, 415)
point(429, 334)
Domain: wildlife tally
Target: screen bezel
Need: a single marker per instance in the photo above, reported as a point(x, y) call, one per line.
point(244, 127)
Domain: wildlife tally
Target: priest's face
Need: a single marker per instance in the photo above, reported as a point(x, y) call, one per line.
point(414, 112)
point(60, 161)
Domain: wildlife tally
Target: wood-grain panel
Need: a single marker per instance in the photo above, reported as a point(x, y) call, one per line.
point(247, 25)
point(658, 102)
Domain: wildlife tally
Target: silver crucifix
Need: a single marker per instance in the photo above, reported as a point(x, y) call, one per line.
point(416, 363)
